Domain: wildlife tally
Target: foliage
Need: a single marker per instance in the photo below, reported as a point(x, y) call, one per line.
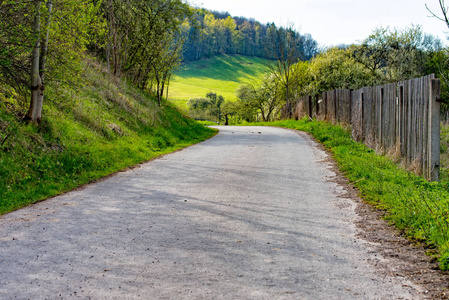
point(213, 33)
point(265, 100)
point(335, 69)
point(283, 45)
point(96, 128)
point(395, 55)
point(412, 204)
point(208, 108)
point(74, 23)
point(144, 40)
point(15, 45)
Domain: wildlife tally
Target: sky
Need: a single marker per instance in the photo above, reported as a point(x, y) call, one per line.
point(335, 22)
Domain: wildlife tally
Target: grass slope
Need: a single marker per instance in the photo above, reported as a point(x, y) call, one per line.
point(414, 205)
point(221, 74)
point(98, 127)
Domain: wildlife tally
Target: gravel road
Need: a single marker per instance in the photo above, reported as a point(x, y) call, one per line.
point(249, 214)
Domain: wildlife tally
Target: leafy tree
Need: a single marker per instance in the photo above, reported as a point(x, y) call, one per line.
point(282, 44)
point(16, 39)
point(396, 55)
point(44, 41)
point(208, 108)
point(336, 69)
point(264, 100)
point(145, 40)
point(228, 110)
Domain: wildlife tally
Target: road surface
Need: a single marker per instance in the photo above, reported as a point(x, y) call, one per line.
point(249, 214)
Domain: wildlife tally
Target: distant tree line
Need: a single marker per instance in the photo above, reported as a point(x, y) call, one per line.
point(385, 56)
point(209, 33)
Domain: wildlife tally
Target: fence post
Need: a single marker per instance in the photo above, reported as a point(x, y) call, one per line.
point(433, 142)
point(310, 107)
point(335, 116)
point(350, 107)
point(324, 95)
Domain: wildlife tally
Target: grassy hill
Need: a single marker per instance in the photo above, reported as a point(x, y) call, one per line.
point(90, 129)
point(221, 74)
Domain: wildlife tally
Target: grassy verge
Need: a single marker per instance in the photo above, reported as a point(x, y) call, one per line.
point(444, 163)
point(412, 204)
point(90, 130)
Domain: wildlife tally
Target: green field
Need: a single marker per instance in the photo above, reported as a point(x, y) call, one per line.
point(221, 74)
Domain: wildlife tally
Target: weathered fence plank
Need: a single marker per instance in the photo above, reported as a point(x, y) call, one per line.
point(400, 118)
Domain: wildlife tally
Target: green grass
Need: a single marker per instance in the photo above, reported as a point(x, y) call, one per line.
point(221, 74)
point(98, 127)
point(444, 152)
point(415, 206)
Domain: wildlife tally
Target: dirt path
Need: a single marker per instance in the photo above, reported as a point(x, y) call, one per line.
point(254, 213)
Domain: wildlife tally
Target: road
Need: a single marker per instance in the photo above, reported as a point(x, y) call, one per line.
point(249, 214)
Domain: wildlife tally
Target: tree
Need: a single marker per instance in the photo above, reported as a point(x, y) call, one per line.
point(208, 108)
point(336, 69)
point(228, 110)
point(396, 55)
point(282, 53)
point(38, 62)
point(444, 11)
point(145, 40)
point(16, 40)
point(440, 60)
point(43, 42)
point(262, 101)
point(219, 33)
point(373, 52)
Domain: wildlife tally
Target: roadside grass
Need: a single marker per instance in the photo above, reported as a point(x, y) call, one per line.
point(221, 74)
point(444, 161)
point(207, 123)
point(93, 129)
point(417, 207)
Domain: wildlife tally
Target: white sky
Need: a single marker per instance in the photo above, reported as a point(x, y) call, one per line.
point(333, 22)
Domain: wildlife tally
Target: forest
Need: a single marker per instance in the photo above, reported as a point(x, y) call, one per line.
point(210, 33)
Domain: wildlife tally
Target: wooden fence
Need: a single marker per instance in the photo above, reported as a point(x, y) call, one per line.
point(402, 117)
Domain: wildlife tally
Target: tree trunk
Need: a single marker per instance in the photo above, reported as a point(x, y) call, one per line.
point(43, 62)
point(35, 110)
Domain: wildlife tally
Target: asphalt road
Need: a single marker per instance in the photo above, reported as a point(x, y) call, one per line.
point(249, 214)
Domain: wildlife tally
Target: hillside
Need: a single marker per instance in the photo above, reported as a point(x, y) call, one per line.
point(96, 126)
point(221, 74)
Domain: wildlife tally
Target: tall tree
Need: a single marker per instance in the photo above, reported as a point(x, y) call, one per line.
point(16, 44)
point(43, 41)
point(444, 10)
point(282, 48)
point(145, 39)
point(38, 62)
